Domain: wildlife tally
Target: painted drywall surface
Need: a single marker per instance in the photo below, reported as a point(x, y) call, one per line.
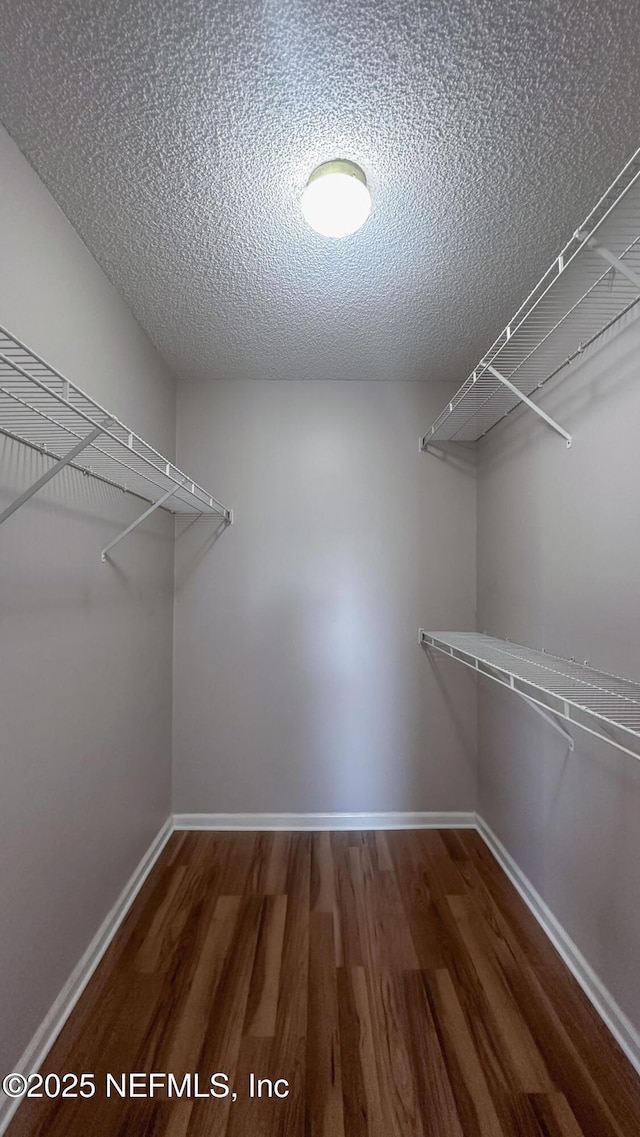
point(558, 554)
point(85, 647)
point(299, 684)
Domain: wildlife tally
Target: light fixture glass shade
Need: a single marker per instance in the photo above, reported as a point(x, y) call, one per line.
point(336, 200)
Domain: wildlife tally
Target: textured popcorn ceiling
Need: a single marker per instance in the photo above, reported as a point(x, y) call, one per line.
point(177, 136)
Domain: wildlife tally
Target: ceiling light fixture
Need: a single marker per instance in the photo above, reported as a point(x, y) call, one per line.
point(336, 200)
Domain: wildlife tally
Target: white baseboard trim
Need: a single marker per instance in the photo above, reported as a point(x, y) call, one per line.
point(52, 1024)
point(615, 1019)
point(259, 822)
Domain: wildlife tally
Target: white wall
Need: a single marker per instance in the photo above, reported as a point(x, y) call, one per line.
point(298, 681)
point(558, 556)
point(85, 647)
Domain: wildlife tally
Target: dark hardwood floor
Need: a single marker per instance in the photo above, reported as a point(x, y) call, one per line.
point(395, 980)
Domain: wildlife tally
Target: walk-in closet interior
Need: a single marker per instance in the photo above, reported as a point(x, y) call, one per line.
point(319, 589)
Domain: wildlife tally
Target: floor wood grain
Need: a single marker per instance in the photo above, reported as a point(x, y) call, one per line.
point(396, 981)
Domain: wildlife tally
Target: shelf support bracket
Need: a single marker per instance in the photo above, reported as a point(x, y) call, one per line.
point(59, 465)
point(227, 517)
point(613, 260)
point(134, 524)
point(545, 713)
point(548, 718)
point(528, 402)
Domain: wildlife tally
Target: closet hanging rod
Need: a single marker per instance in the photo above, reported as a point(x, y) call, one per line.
point(44, 410)
point(592, 283)
point(559, 687)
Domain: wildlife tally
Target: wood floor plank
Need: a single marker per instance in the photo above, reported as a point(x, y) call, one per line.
point(434, 1094)
point(523, 923)
point(242, 863)
point(555, 1115)
point(444, 873)
point(176, 1117)
point(532, 1071)
point(264, 991)
point(353, 1041)
point(276, 867)
point(189, 1025)
point(385, 864)
point(349, 889)
point(363, 1112)
point(262, 1116)
point(475, 1103)
point(324, 1103)
point(395, 980)
point(387, 937)
point(323, 892)
point(166, 926)
point(546, 1017)
point(489, 1038)
point(392, 1041)
point(384, 957)
point(221, 1045)
point(430, 939)
point(288, 1046)
point(323, 888)
point(99, 1051)
point(454, 844)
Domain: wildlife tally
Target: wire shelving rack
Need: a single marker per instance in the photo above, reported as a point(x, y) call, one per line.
point(43, 409)
point(604, 705)
point(592, 283)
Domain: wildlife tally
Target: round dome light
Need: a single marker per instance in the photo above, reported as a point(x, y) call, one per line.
point(336, 200)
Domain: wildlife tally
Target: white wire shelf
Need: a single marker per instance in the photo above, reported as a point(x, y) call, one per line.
point(590, 285)
point(592, 700)
point(43, 409)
